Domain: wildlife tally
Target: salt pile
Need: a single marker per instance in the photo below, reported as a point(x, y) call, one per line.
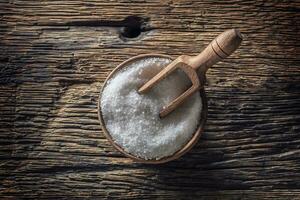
point(133, 119)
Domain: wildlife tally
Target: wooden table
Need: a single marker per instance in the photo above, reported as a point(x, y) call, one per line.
point(55, 55)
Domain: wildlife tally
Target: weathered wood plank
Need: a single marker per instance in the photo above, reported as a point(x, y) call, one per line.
point(55, 55)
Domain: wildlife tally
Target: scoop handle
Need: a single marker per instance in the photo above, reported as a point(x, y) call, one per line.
point(221, 47)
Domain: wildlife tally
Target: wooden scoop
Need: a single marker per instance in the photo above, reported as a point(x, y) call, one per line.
point(221, 47)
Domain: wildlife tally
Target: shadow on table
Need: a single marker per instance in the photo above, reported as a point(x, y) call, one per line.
point(196, 171)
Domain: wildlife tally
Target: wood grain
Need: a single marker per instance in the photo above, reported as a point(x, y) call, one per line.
point(54, 58)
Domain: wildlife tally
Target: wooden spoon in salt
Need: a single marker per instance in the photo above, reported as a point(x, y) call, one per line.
point(221, 47)
point(195, 67)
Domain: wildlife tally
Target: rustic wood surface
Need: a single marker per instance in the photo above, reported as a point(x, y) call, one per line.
point(55, 55)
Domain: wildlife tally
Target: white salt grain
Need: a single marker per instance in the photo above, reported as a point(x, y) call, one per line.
point(133, 119)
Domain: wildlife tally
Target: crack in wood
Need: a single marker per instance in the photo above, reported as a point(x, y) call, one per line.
point(130, 27)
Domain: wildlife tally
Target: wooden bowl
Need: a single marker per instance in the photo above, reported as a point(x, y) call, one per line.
point(177, 154)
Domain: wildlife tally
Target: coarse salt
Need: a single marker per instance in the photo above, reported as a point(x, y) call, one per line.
point(132, 119)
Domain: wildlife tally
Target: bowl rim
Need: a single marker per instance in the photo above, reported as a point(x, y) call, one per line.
point(177, 154)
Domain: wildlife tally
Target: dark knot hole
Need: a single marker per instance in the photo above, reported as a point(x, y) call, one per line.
point(132, 27)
